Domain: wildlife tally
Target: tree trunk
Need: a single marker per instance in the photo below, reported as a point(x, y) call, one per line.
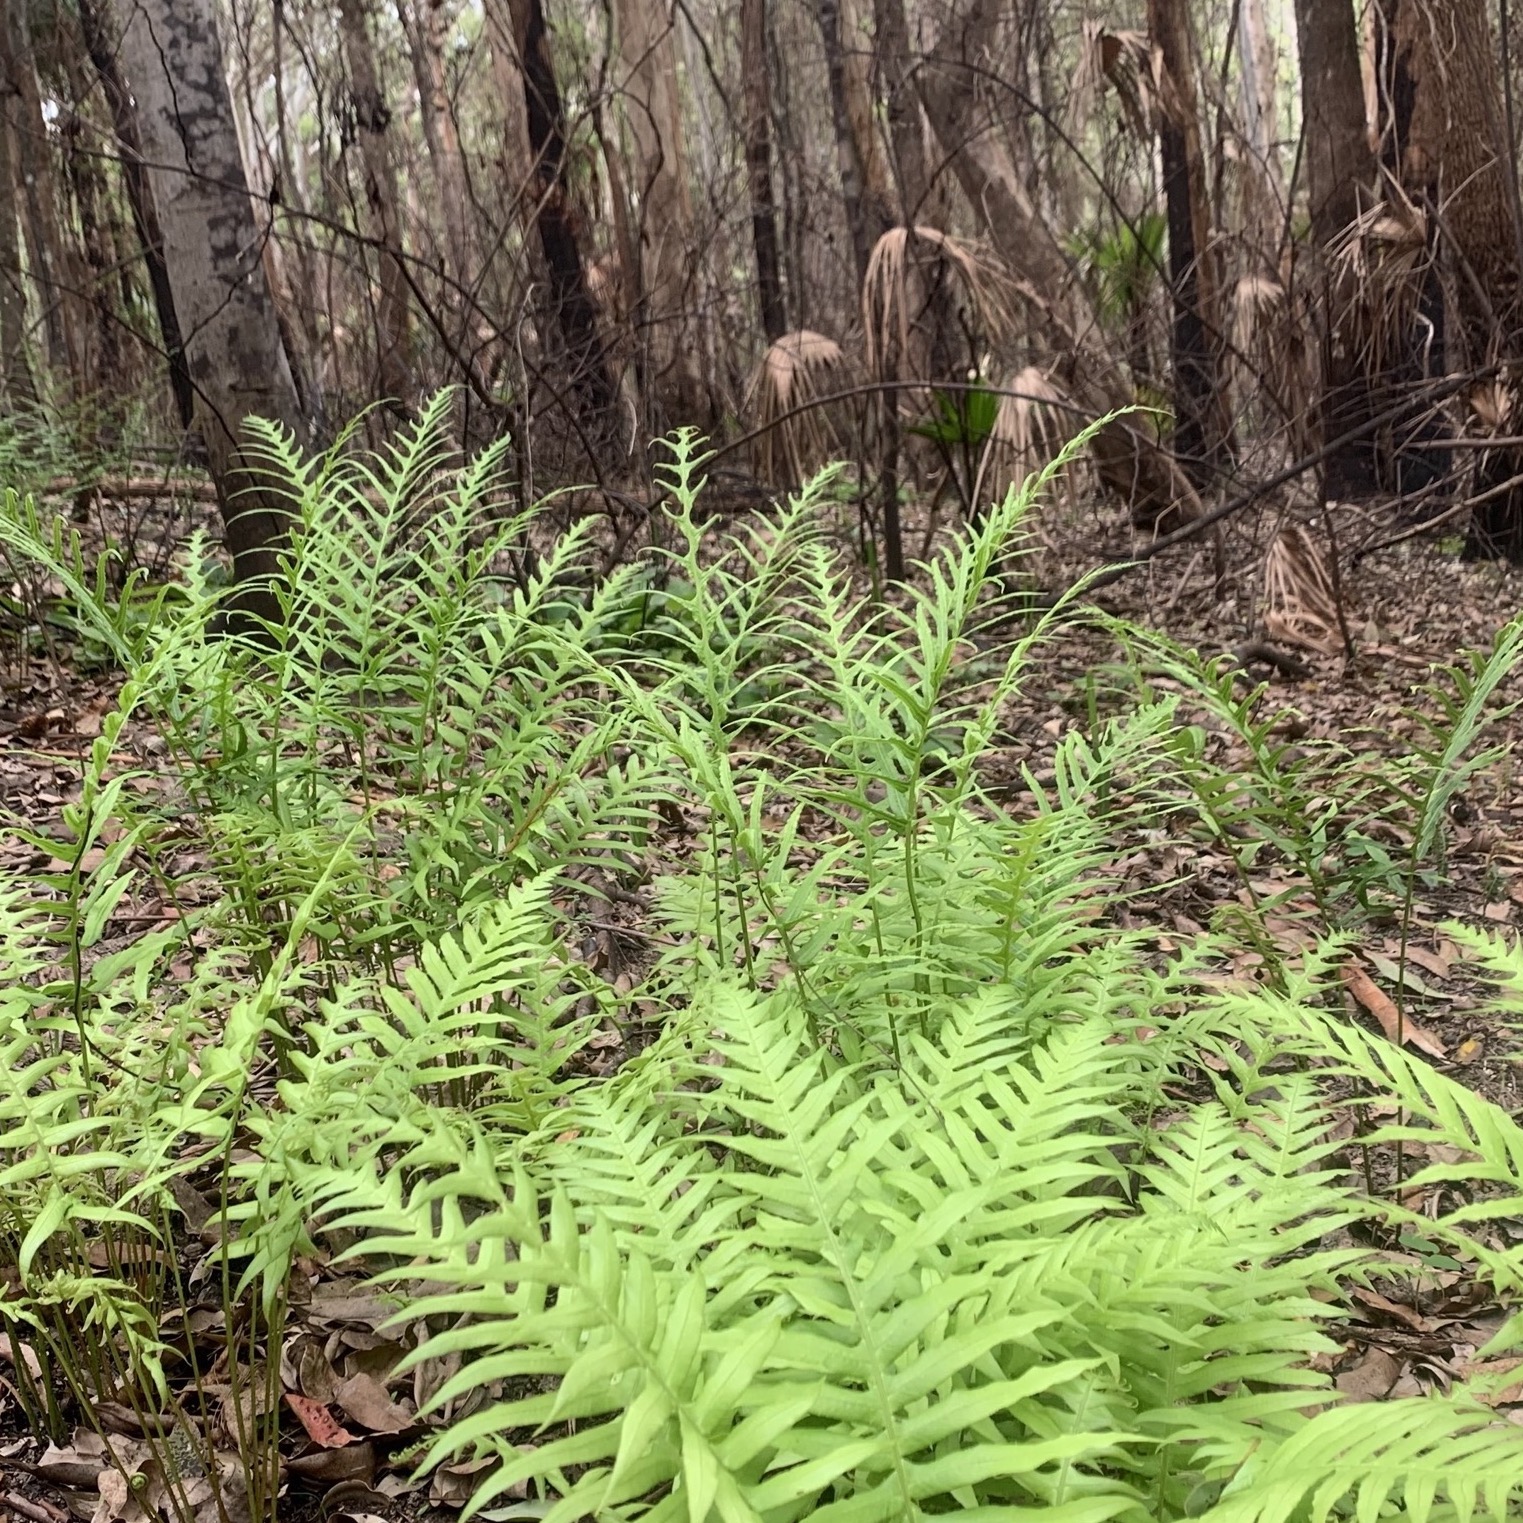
point(101, 45)
point(1340, 178)
point(58, 281)
point(426, 24)
point(1335, 146)
point(756, 79)
point(383, 203)
point(664, 246)
point(867, 217)
point(173, 59)
point(894, 67)
point(1202, 428)
point(1451, 145)
point(575, 311)
point(16, 385)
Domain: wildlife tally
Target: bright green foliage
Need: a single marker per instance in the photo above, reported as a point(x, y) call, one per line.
point(920, 1199)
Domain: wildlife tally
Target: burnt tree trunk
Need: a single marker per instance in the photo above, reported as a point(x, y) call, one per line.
point(1202, 429)
point(575, 312)
point(758, 104)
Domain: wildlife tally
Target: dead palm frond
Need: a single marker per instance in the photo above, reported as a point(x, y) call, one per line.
point(795, 438)
point(1300, 601)
point(1271, 347)
point(1034, 420)
point(1123, 60)
point(1378, 263)
point(907, 273)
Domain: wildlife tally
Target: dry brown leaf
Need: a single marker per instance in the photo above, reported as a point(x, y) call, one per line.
point(365, 1399)
point(1431, 962)
point(327, 1467)
point(1394, 1309)
point(1377, 1002)
point(22, 1354)
point(1371, 1378)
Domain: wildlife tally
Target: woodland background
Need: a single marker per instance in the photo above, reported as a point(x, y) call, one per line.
point(1292, 231)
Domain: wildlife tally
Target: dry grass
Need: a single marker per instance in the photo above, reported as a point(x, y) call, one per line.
point(797, 370)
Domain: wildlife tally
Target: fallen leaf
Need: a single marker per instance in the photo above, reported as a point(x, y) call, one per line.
point(365, 1399)
point(321, 1425)
point(327, 1467)
point(1392, 1309)
point(22, 1354)
point(1431, 962)
point(1375, 1000)
point(1371, 1378)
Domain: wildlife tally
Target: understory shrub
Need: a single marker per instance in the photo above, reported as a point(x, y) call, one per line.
point(917, 1187)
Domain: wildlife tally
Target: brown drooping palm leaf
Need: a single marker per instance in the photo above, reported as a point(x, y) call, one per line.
point(1122, 59)
point(1034, 421)
point(1300, 601)
point(795, 439)
point(1273, 354)
point(1378, 264)
point(899, 316)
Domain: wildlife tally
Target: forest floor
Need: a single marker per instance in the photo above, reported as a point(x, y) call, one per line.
point(1410, 608)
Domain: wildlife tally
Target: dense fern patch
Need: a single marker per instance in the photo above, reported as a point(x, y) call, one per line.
point(930, 1191)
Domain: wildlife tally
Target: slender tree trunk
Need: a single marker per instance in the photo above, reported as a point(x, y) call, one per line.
point(383, 202)
point(173, 59)
point(298, 217)
point(1339, 172)
point(857, 57)
point(895, 64)
point(666, 244)
point(101, 44)
point(16, 385)
point(866, 218)
point(426, 24)
point(58, 280)
point(575, 311)
point(1129, 462)
point(756, 79)
point(1202, 424)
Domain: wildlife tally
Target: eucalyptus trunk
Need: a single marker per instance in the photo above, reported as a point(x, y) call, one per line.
point(174, 63)
point(426, 23)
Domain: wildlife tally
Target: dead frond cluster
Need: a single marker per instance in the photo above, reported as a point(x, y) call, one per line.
point(1378, 266)
point(797, 433)
point(911, 277)
point(1124, 61)
point(1034, 421)
point(1273, 353)
point(1300, 601)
